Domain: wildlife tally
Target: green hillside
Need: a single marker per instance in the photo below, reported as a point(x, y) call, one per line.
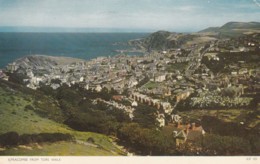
point(15, 115)
point(234, 29)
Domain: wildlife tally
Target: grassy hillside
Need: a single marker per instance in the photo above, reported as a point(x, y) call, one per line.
point(16, 116)
point(234, 29)
point(241, 25)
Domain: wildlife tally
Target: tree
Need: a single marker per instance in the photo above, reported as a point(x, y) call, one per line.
point(225, 145)
point(147, 141)
point(145, 116)
point(9, 139)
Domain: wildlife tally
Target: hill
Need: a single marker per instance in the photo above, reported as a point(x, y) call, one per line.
point(163, 40)
point(232, 29)
point(19, 114)
point(43, 61)
point(241, 25)
point(210, 29)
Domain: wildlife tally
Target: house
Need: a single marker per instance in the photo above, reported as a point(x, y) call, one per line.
point(98, 88)
point(243, 71)
point(1, 74)
point(182, 95)
point(179, 77)
point(166, 107)
point(176, 118)
point(134, 103)
point(161, 120)
point(234, 73)
point(187, 133)
point(132, 82)
point(12, 67)
point(118, 97)
point(160, 78)
point(164, 52)
point(55, 86)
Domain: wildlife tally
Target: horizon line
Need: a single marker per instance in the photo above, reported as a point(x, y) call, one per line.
point(49, 29)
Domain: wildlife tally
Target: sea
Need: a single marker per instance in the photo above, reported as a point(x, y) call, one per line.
point(14, 45)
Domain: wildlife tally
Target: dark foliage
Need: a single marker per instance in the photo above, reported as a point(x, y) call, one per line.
point(146, 141)
point(91, 140)
point(9, 139)
point(13, 138)
point(28, 107)
point(93, 120)
point(225, 145)
point(227, 58)
point(142, 82)
point(44, 137)
point(145, 116)
point(214, 125)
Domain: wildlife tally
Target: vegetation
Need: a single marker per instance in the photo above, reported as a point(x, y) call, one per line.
point(225, 145)
point(28, 122)
point(146, 141)
point(57, 149)
point(13, 138)
point(41, 119)
point(226, 59)
point(177, 66)
point(151, 85)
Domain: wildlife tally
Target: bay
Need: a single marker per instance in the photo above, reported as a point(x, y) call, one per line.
point(78, 45)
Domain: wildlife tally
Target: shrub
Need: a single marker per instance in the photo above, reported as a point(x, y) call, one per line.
point(91, 140)
point(28, 107)
point(44, 137)
point(9, 139)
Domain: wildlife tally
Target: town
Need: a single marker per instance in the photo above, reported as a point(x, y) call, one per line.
point(205, 73)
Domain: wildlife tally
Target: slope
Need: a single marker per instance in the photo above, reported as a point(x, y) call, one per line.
point(15, 115)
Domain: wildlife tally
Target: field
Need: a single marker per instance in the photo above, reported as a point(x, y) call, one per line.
point(15, 117)
point(177, 66)
point(151, 85)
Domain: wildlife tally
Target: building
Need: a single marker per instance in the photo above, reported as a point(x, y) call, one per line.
point(161, 120)
point(160, 78)
point(187, 133)
point(98, 88)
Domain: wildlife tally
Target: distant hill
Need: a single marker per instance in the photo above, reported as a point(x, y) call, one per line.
point(158, 40)
point(232, 29)
point(210, 29)
point(240, 25)
point(163, 40)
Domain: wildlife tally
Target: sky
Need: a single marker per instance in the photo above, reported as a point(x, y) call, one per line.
point(138, 15)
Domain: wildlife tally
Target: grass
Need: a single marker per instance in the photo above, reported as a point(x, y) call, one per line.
point(151, 85)
point(57, 149)
point(14, 117)
point(177, 66)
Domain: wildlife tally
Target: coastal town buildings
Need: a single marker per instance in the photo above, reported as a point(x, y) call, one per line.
point(160, 79)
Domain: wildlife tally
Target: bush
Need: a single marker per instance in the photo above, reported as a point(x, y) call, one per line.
point(91, 140)
point(44, 137)
point(146, 141)
point(13, 139)
point(225, 145)
point(9, 139)
point(28, 107)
